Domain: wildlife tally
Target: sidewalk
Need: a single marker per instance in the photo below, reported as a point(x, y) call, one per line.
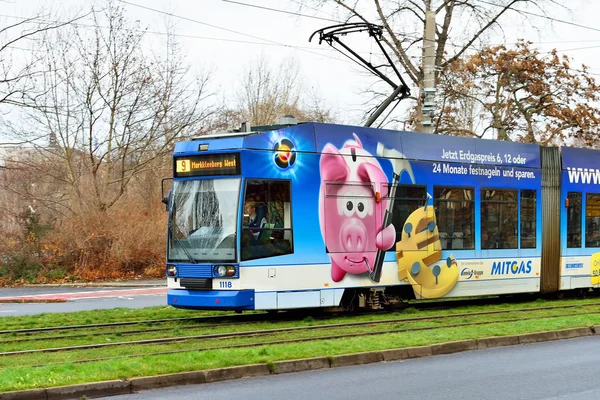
point(130, 283)
point(90, 294)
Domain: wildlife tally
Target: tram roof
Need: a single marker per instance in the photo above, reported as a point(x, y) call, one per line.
point(313, 136)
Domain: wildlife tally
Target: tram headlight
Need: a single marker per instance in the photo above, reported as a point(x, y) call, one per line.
point(222, 271)
point(171, 270)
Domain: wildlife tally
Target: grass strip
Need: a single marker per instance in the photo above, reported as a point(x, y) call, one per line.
point(273, 340)
point(162, 312)
point(19, 376)
point(104, 338)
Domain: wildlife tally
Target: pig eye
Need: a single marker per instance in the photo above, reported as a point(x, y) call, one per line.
point(362, 209)
point(346, 209)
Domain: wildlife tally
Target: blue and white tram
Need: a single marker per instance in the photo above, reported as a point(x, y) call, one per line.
point(320, 215)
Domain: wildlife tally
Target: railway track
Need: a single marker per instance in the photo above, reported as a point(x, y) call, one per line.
point(210, 320)
point(213, 318)
point(294, 315)
point(314, 331)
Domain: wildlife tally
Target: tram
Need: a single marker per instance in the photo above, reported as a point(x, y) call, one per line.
point(325, 215)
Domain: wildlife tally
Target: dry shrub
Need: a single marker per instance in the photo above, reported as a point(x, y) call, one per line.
point(122, 243)
point(70, 236)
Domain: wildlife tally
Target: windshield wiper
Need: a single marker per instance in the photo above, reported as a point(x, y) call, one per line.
point(170, 226)
point(187, 253)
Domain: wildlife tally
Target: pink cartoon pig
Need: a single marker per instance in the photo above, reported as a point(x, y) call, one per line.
point(351, 208)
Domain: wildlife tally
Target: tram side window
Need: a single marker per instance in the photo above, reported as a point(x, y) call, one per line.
point(407, 198)
point(528, 219)
point(592, 220)
point(574, 219)
point(455, 217)
point(499, 219)
point(267, 223)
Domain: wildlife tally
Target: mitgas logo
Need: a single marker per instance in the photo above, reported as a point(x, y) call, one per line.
point(511, 267)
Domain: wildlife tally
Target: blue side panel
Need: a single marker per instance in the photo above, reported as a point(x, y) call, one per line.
point(303, 141)
point(271, 164)
point(509, 153)
point(580, 158)
point(480, 177)
point(211, 299)
point(423, 146)
point(302, 138)
point(434, 160)
point(580, 173)
point(217, 144)
point(309, 247)
point(302, 170)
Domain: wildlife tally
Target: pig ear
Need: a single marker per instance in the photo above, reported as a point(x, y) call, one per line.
point(357, 140)
point(368, 172)
point(333, 166)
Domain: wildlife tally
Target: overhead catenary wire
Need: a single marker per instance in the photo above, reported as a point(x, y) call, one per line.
point(482, 1)
point(330, 19)
point(281, 11)
point(83, 25)
point(545, 17)
point(269, 42)
point(223, 28)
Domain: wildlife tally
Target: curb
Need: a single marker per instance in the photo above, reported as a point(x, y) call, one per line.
point(133, 385)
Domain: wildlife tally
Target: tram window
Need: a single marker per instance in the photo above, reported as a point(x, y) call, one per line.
point(499, 218)
point(455, 215)
point(407, 198)
point(528, 219)
point(574, 219)
point(267, 220)
point(592, 220)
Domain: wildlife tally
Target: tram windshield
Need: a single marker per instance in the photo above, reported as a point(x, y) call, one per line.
point(203, 220)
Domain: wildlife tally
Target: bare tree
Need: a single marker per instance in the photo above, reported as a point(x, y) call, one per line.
point(460, 25)
point(266, 96)
point(107, 108)
point(20, 56)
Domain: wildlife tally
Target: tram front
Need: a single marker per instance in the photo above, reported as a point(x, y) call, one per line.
point(202, 262)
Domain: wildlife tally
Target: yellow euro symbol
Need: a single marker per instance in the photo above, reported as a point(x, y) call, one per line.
point(595, 268)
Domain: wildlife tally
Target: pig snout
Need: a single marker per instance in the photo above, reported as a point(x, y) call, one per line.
point(354, 237)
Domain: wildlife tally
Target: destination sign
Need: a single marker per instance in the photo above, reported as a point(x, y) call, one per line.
point(207, 165)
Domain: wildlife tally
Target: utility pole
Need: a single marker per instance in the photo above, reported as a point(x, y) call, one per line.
point(428, 93)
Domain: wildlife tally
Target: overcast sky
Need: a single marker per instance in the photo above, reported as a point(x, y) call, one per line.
point(227, 37)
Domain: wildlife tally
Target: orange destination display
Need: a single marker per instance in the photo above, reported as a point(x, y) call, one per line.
point(207, 165)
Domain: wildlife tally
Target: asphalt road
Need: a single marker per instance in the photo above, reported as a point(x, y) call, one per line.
point(72, 299)
point(556, 370)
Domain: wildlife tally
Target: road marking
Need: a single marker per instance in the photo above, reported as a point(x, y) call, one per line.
point(87, 295)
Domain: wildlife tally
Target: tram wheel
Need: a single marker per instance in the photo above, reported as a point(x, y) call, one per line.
point(560, 294)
